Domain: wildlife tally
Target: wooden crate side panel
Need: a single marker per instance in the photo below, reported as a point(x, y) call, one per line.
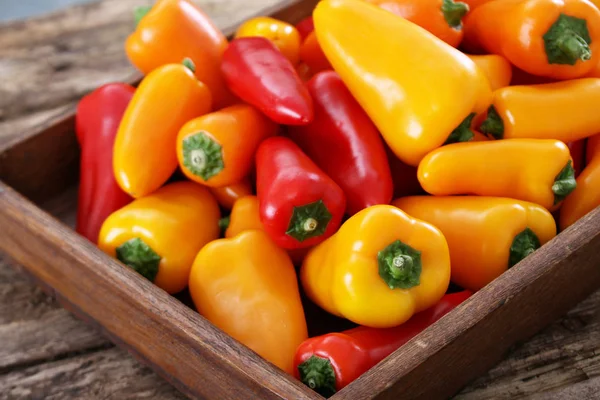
point(475, 336)
point(177, 342)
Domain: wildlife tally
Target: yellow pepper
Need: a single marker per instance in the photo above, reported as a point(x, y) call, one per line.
point(534, 170)
point(283, 35)
point(247, 287)
point(416, 88)
point(486, 235)
point(380, 268)
point(159, 235)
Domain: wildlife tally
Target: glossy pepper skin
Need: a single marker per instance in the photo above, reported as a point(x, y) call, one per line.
point(257, 72)
point(534, 170)
point(330, 362)
point(415, 98)
point(217, 149)
point(255, 299)
point(97, 121)
point(486, 235)
point(556, 39)
point(159, 235)
point(443, 18)
point(300, 205)
point(562, 110)
point(144, 151)
point(177, 29)
point(379, 269)
point(312, 54)
point(345, 144)
point(305, 27)
point(587, 195)
point(227, 195)
point(496, 68)
point(283, 35)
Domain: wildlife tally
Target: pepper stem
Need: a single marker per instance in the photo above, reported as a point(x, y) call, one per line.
point(309, 221)
point(140, 12)
point(189, 64)
point(493, 124)
point(523, 245)
point(202, 155)
point(463, 132)
point(564, 183)
point(224, 224)
point(400, 265)
point(318, 374)
point(567, 41)
point(454, 12)
point(136, 254)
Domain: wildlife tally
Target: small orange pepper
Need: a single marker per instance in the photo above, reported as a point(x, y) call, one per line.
point(535, 170)
point(159, 235)
point(473, 4)
point(247, 287)
point(173, 30)
point(228, 195)
point(144, 151)
point(218, 149)
point(486, 235)
point(443, 18)
point(586, 196)
point(312, 54)
point(556, 39)
point(496, 68)
point(283, 35)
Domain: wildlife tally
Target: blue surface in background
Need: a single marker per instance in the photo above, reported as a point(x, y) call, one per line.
point(19, 9)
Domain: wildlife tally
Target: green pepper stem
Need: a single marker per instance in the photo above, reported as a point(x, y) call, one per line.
point(567, 41)
point(399, 265)
point(564, 183)
point(575, 47)
point(140, 12)
point(140, 257)
point(318, 374)
point(224, 223)
point(309, 221)
point(202, 155)
point(463, 132)
point(454, 12)
point(524, 244)
point(189, 64)
point(493, 124)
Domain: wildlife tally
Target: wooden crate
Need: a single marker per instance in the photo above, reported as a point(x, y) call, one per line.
point(201, 360)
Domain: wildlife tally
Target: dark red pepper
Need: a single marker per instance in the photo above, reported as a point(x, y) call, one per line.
point(305, 27)
point(330, 362)
point(404, 176)
point(300, 206)
point(345, 144)
point(96, 123)
point(258, 73)
point(577, 149)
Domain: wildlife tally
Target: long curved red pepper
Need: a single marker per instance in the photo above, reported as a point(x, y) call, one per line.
point(330, 362)
point(345, 144)
point(258, 73)
point(96, 123)
point(300, 206)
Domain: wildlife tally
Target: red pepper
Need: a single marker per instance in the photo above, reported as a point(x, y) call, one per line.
point(404, 176)
point(305, 27)
point(577, 149)
point(300, 206)
point(97, 121)
point(330, 362)
point(345, 144)
point(258, 73)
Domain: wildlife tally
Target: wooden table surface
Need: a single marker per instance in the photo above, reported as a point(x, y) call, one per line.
point(46, 65)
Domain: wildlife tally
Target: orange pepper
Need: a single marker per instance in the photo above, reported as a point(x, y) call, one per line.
point(218, 149)
point(144, 151)
point(228, 195)
point(443, 18)
point(564, 111)
point(283, 35)
point(159, 235)
point(557, 39)
point(245, 216)
point(586, 196)
point(534, 170)
point(496, 68)
point(173, 30)
point(247, 287)
point(486, 235)
point(473, 4)
point(312, 54)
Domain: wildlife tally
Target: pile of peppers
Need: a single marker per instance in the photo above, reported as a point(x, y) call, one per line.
point(357, 162)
